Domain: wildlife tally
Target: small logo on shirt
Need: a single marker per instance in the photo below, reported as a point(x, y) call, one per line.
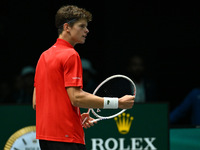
point(75, 77)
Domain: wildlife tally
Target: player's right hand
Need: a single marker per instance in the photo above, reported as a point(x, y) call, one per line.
point(126, 102)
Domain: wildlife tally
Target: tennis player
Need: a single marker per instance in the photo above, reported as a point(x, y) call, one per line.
point(58, 86)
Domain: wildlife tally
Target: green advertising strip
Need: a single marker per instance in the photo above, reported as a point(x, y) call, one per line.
point(143, 127)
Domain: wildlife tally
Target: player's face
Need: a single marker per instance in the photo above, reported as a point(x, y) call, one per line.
point(79, 32)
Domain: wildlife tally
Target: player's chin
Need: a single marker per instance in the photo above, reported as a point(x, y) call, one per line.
point(82, 41)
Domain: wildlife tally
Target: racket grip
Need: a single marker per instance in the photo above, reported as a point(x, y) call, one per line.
point(95, 120)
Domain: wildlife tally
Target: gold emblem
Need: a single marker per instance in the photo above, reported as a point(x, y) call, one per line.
point(124, 122)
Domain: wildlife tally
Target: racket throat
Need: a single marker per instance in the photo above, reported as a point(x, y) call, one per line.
point(98, 110)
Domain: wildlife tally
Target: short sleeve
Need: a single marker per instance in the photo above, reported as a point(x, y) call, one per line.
point(73, 71)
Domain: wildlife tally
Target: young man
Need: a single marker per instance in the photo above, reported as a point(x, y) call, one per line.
point(58, 86)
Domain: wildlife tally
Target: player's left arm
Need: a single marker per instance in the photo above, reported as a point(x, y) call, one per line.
point(34, 98)
point(82, 99)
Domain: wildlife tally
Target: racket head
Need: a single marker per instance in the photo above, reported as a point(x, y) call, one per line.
point(114, 86)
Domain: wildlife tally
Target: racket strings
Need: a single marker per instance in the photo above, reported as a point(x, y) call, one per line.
point(116, 87)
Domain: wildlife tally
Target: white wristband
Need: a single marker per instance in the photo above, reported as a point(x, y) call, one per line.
point(110, 103)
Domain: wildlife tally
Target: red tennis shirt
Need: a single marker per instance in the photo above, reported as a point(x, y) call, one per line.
point(56, 118)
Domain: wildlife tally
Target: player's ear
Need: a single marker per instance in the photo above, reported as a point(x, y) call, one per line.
point(66, 27)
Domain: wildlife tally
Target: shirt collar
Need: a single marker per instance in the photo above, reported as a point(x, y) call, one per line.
point(63, 43)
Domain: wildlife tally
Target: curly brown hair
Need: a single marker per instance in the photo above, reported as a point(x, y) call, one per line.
point(70, 14)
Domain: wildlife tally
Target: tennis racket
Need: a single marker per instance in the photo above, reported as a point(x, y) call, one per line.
point(113, 86)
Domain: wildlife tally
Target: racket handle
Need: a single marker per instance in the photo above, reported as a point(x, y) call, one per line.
point(95, 120)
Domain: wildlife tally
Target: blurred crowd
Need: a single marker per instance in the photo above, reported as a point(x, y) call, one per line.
point(20, 89)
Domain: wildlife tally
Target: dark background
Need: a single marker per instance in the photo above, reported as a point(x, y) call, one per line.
point(165, 32)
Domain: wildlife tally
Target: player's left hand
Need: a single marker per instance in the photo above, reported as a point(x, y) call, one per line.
point(86, 120)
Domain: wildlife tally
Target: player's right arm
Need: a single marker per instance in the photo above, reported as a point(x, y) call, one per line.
point(82, 99)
